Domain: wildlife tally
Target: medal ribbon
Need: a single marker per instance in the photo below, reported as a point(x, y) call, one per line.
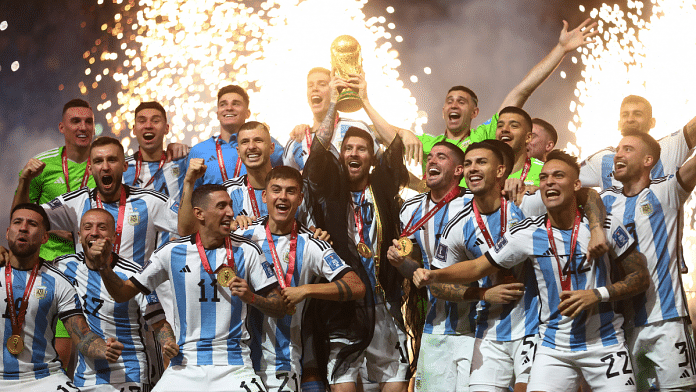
point(139, 163)
point(525, 169)
point(204, 258)
point(221, 161)
point(287, 280)
point(252, 199)
point(85, 177)
point(565, 282)
point(308, 138)
point(482, 226)
point(121, 215)
point(408, 230)
point(18, 319)
point(358, 217)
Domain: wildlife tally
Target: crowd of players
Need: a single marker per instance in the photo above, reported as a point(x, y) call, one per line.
point(240, 265)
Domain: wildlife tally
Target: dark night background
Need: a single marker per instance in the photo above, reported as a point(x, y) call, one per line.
point(488, 45)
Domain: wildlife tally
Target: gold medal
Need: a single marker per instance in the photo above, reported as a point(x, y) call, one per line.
point(406, 246)
point(15, 344)
point(364, 250)
point(225, 276)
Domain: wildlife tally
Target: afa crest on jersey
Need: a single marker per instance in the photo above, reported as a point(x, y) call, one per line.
point(40, 292)
point(175, 171)
point(134, 219)
point(646, 208)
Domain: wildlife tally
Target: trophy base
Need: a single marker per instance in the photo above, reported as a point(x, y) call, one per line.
point(348, 101)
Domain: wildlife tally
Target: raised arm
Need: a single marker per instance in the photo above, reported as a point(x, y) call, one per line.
point(121, 290)
point(636, 279)
point(30, 171)
point(186, 221)
point(88, 343)
point(349, 287)
point(690, 133)
point(567, 42)
point(326, 129)
point(686, 175)
point(596, 214)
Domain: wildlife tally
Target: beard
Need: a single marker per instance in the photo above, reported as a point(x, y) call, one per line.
point(22, 251)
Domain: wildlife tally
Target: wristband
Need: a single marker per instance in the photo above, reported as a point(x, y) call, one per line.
point(603, 293)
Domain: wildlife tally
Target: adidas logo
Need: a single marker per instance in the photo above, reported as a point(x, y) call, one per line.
point(59, 180)
point(185, 269)
point(685, 374)
point(630, 382)
point(212, 158)
point(526, 360)
point(478, 242)
point(547, 253)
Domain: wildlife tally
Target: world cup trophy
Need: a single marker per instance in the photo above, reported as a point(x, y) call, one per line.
point(346, 60)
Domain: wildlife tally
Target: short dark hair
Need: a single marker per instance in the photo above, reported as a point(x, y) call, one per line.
point(199, 197)
point(284, 173)
point(548, 128)
point(507, 153)
point(151, 105)
point(319, 70)
point(654, 148)
point(516, 110)
point(233, 88)
point(499, 155)
point(105, 141)
point(638, 99)
point(361, 133)
point(76, 103)
point(249, 125)
point(565, 157)
point(36, 208)
point(458, 153)
point(466, 90)
point(110, 218)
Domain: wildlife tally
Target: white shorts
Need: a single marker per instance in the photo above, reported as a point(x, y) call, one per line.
point(386, 356)
point(55, 382)
point(606, 369)
point(444, 361)
point(501, 364)
point(282, 381)
point(663, 354)
point(209, 378)
point(124, 387)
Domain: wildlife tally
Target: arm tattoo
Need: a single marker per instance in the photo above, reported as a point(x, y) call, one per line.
point(341, 294)
point(636, 278)
point(593, 206)
point(408, 267)
point(326, 129)
point(454, 292)
point(164, 333)
point(88, 343)
point(272, 304)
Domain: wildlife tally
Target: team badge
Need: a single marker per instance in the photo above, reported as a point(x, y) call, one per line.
point(620, 237)
point(333, 261)
point(513, 222)
point(500, 244)
point(40, 292)
point(175, 171)
point(646, 208)
point(286, 257)
point(134, 219)
point(55, 203)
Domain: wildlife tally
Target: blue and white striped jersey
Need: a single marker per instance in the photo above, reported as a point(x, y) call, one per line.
point(52, 297)
point(528, 239)
point(652, 217)
point(206, 150)
point(149, 216)
point(106, 318)
point(276, 344)
point(296, 153)
point(442, 317)
point(210, 322)
point(598, 169)
point(168, 181)
point(239, 193)
point(367, 211)
point(462, 240)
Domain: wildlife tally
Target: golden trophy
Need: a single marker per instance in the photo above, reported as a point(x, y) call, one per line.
point(346, 60)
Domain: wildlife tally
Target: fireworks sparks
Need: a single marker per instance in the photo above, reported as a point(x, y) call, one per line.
point(653, 59)
point(181, 52)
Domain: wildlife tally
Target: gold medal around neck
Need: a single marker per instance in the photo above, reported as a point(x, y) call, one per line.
point(225, 276)
point(364, 250)
point(15, 344)
point(406, 246)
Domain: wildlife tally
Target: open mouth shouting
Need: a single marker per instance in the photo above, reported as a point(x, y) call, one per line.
point(453, 118)
point(282, 207)
point(507, 138)
point(148, 136)
point(108, 182)
point(474, 179)
point(552, 194)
